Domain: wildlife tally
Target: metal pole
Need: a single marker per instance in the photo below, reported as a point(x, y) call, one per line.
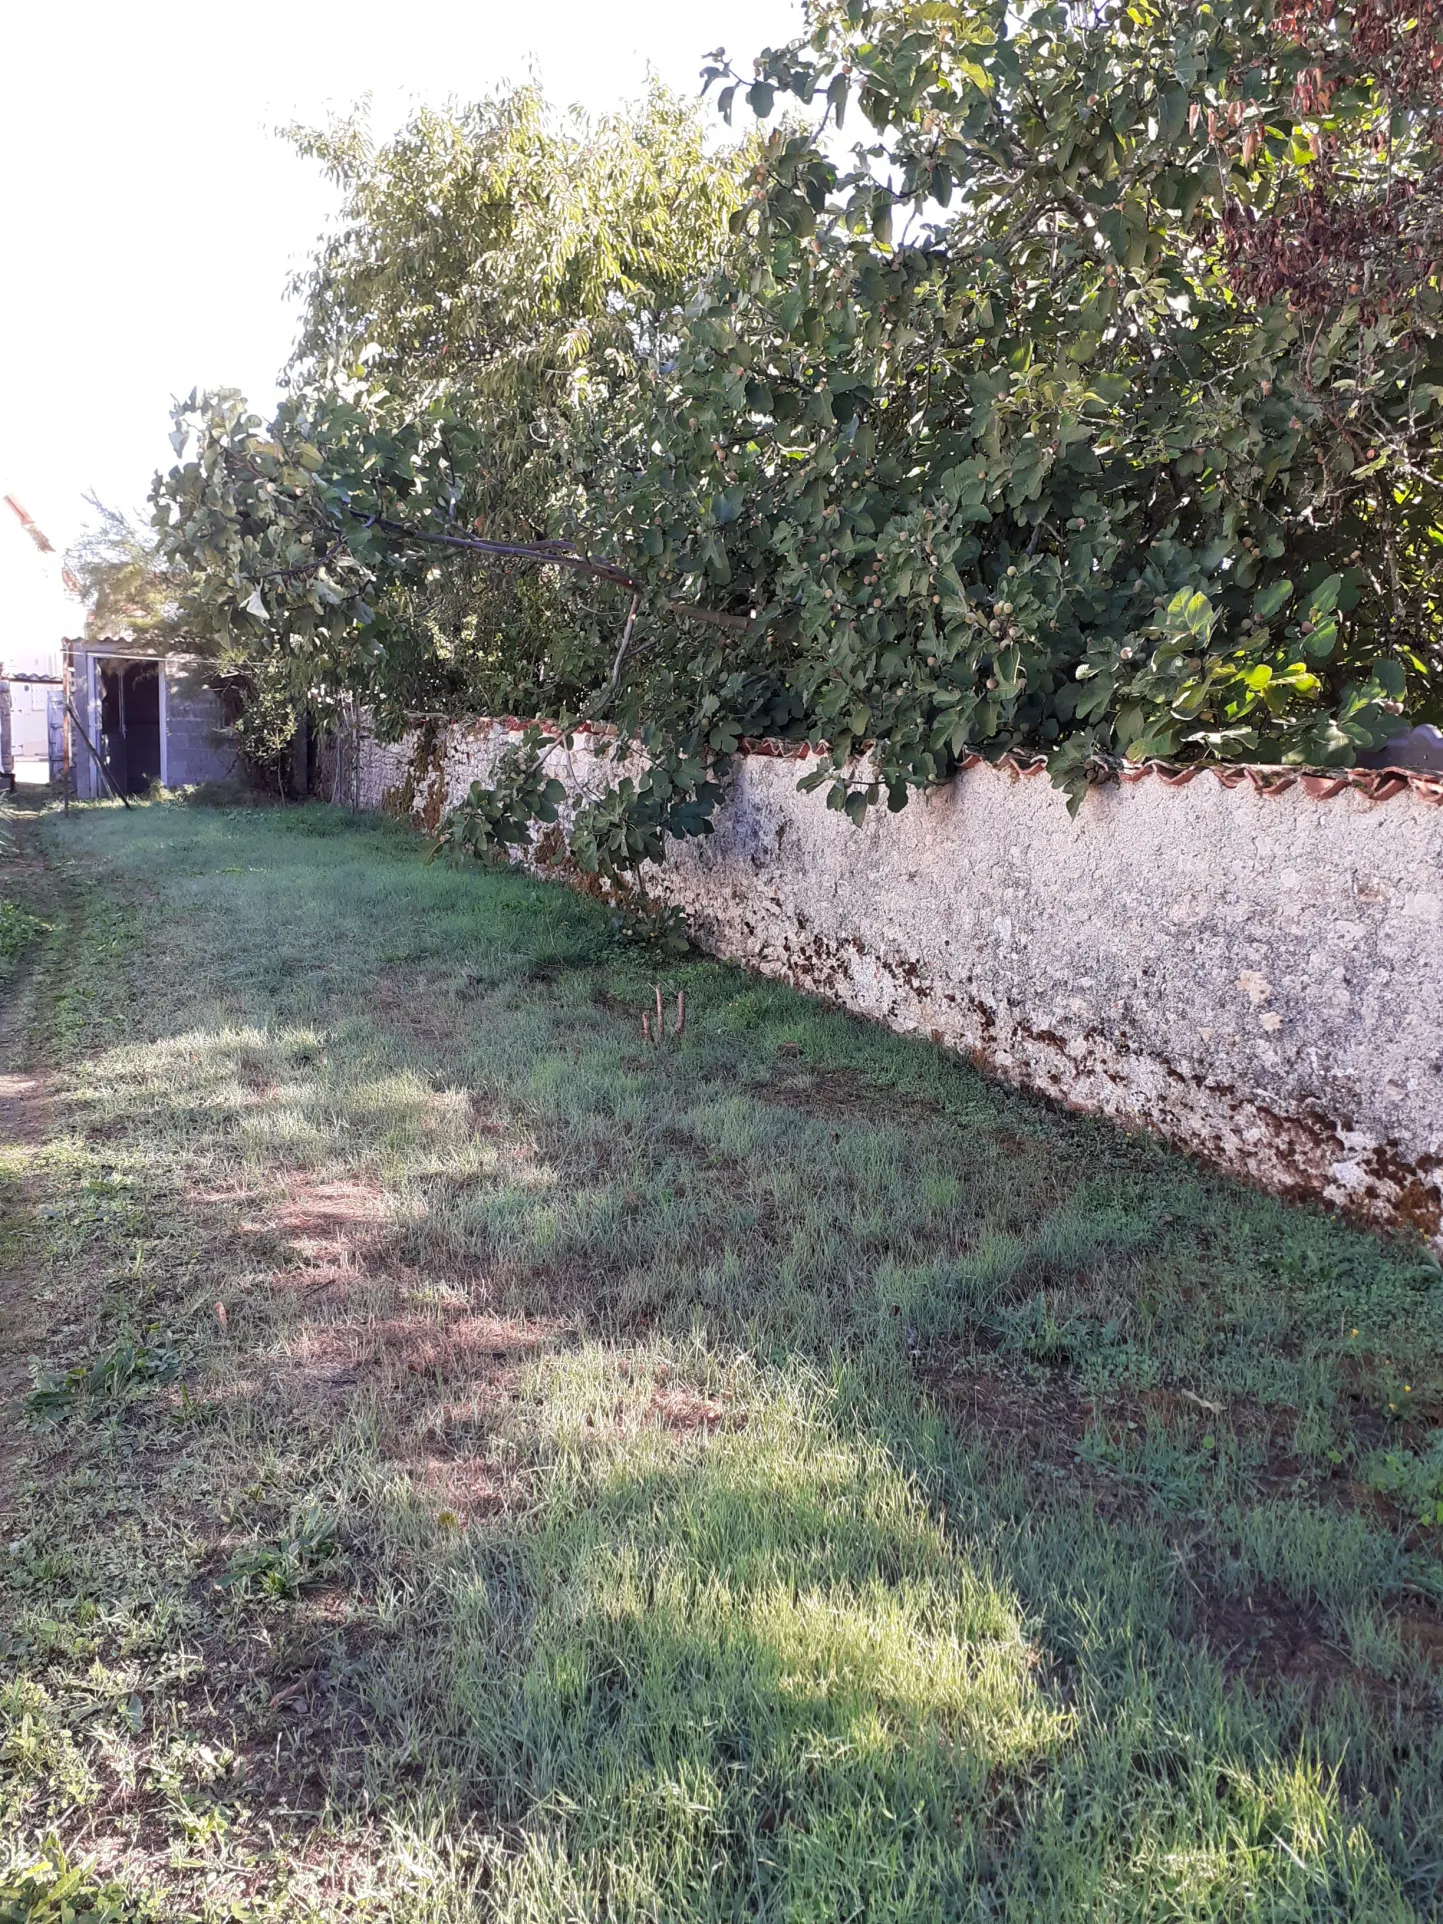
point(100, 765)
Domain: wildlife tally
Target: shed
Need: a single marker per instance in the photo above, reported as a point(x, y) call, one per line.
point(31, 728)
point(148, 718)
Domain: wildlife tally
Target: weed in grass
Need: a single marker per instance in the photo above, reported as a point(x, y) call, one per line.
point(300, 1560)
point(655, 931)
point(48, 1889)
point(1413, 1478)
point(124, 1370)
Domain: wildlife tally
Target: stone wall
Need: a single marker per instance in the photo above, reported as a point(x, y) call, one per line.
point(1248, 963)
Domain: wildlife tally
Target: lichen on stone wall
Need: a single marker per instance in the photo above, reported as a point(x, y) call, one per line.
point(421, 795)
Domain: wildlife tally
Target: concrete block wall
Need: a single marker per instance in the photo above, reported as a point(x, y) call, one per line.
point(1248, 963)
point(197, 747)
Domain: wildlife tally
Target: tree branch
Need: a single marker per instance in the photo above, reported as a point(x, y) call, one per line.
point(562, 555)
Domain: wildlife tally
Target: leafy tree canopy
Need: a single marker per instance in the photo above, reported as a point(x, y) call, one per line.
point(130, 589)
point(509, 269)
point(1089, 405)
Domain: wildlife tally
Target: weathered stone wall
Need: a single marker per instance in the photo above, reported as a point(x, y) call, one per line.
point(1251, 967)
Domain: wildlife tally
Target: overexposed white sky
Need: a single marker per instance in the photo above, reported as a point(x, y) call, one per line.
point(149, 214)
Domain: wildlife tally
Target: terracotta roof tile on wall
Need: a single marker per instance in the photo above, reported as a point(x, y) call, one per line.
point(1322, 784)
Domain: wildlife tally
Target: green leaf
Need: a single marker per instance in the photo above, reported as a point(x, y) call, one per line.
point(1190, 613)
point(1324, 598)
point(1267, 601)
point(1322, 640)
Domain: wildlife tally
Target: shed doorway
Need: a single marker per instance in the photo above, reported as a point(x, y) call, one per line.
point(130, 724)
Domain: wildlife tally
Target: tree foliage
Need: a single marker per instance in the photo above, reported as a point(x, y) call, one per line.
point(131, 589)
point(511, 269)
point(1090, 405)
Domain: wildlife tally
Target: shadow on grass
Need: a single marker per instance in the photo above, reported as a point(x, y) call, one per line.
point(758, 1674)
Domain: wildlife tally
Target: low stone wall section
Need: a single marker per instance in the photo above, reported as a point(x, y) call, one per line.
point(1248, 963)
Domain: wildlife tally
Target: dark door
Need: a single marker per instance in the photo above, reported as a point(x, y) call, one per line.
point(142, 726)
point(112, 724)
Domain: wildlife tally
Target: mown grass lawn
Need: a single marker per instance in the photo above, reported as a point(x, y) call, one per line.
point(480, 1466)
